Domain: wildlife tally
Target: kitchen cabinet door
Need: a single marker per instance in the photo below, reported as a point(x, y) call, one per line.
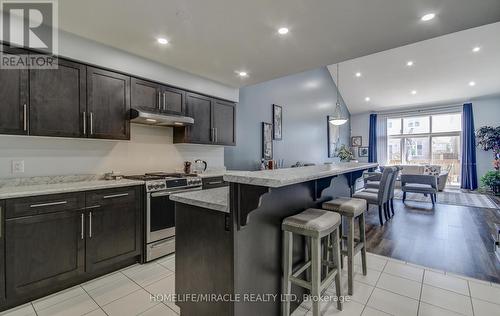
point(43, 251)
point(57, 100)
point(14, 112)
point(108, 104)
point(174, 99)
point(224, 118)
point(198, 107)
point(114, 226)
point(146, 94)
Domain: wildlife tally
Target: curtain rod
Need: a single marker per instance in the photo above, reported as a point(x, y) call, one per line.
point(421, 110)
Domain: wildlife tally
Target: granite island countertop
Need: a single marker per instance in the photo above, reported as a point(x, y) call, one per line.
point(214, 199)
point(22, 187)
point(283, 177)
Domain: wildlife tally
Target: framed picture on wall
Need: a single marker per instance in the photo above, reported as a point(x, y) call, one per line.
point(267, 141)
point(277, 122)
point(356, 141)
point(363, 152)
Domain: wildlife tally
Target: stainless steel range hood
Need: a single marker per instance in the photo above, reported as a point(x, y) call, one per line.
point(159, 118)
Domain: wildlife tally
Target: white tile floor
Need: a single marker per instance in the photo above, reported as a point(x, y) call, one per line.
point(392, 287)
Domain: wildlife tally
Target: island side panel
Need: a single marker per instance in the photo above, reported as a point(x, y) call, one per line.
point(204, 259)
point(258, 245)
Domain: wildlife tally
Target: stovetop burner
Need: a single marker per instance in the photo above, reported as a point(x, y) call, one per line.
point(158, 181)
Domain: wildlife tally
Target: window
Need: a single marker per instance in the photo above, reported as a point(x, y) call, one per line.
point(429, 139)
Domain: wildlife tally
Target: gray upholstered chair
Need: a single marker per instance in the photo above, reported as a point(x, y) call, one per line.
point(381, 196)
point(373, 183)
point(419, 183)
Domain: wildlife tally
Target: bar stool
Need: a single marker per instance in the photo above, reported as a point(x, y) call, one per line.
point(351, 208)
point(313, 224)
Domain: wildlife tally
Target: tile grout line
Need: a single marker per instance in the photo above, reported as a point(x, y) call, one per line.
point(374, 286)
point(470, 297)
point(421, 290)
point(94, 302)
point(33, 306)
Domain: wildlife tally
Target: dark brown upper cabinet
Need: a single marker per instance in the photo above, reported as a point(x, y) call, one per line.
point(223, 122)
point(14, 112)
point(108, 104)
point(154, 96)
point(214, 121)
point(146, 94)
point(57, 100)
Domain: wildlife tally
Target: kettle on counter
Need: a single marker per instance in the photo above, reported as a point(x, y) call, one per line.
point(200, 166)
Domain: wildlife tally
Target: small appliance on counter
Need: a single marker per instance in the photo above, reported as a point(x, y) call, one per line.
point(187, 167)
point(112, 176)
point(160, 210)
point(200, 166)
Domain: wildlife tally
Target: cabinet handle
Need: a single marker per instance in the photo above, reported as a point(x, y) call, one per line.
point(212, 134)
point(84, 123)
point(1, 222)
point(83, 226)
point(216, 134)
point(25, 117)
point(114, 196)
point(90, 224)
point(91, 123)
point(159, 100)
point(215, 182)
point(164, 100)
point(48, 204)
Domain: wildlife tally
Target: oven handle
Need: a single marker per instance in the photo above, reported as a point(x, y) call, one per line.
point(164, 193)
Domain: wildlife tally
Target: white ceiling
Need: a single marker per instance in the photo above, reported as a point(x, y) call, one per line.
point(215, 38)
point(442, 70)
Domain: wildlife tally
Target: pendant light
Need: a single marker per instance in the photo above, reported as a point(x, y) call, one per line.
point(338, 118)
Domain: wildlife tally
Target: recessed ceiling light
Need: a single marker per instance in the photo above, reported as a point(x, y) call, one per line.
point(242, 74)
point(472, 83)
point(283, 30)
point(413, 92)
point(409, 63)
point(428, 17)
point(476, 49)
point(367, 99)
point(358, 74)
point(162, 41)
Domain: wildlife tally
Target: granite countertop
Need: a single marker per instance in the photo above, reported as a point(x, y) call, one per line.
point(214, 199)
point(22, 187)
point(212, 173)
point(282, 177)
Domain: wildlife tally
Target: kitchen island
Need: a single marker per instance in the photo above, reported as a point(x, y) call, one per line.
point(228, 257)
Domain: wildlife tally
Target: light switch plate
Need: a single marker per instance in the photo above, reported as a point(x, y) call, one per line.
point(17, 166)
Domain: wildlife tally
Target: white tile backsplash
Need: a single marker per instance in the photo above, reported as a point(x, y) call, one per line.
point(150, 149)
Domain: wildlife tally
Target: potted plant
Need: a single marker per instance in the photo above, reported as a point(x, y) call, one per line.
point(345, 154)
point(488, 138)
point(492, 180)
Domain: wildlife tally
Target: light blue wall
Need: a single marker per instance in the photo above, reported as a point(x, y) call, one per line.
point(486, 112)
point(307, 98)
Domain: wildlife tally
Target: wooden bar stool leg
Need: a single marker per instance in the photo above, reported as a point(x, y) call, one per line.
point(307, 256)
point(287, 271)
point(337, 260)
point(362, 237)
point(316, 274)
point(350, 255)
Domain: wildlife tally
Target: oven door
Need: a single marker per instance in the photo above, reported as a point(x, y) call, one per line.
point(160, 217)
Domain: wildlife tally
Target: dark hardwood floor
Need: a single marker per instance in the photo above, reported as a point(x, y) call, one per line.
point(452, 238)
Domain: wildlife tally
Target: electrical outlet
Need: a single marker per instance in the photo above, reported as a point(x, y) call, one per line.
point(17, 166)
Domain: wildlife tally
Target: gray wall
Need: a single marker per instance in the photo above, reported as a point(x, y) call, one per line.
point(486, 112)
point(307, 98)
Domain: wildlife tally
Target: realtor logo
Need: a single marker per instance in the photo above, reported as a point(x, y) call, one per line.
point(32, 25)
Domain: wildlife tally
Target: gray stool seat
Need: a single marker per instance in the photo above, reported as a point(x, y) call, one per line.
point(346, 206)
point(351, 209)
point(312, 222)
point(319, 228)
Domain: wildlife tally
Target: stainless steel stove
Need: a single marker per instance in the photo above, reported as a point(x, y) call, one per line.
point(160, 210)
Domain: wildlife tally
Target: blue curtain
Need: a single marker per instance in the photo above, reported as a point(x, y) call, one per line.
point(469, 173)
point(372, 139)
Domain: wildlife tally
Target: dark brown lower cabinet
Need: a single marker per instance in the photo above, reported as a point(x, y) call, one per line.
point(113, 227)
point(43, 251)
point(51, 242)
